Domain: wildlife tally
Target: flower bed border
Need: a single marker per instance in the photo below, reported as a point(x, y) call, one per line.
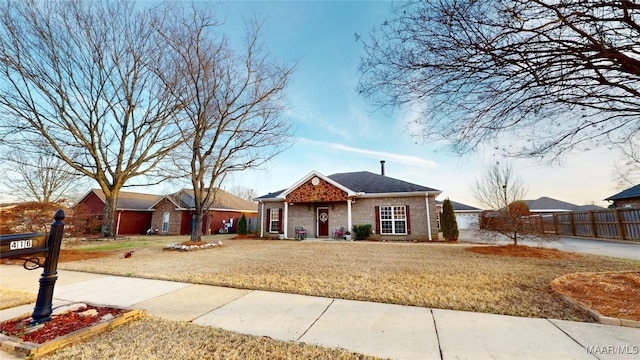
point(183, 247)
point(26, 349)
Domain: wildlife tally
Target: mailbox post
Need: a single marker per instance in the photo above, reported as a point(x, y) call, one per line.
point(42, 311)
point(20, 246)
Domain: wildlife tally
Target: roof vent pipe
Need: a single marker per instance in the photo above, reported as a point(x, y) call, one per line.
point(382, 167)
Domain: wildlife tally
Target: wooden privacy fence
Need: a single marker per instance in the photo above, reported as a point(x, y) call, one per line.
point(621, 224)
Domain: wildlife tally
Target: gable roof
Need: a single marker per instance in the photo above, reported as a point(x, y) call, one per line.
point(316, 174)
point(369, 183)
point(360, 183)
point(631, 192)
point(223, 201)
point(459, 206)
point(127, 200)
point(546, 204)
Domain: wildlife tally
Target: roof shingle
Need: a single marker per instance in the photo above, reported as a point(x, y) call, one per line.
point(631, 192)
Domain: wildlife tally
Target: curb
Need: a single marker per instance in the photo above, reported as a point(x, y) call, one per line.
point(606, 320)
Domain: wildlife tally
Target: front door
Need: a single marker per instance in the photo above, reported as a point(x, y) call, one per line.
point(323, 222)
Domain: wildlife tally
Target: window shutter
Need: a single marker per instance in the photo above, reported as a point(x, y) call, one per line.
point(280, 221)
point(377, 210)
point(408, 220)
point(267, 221)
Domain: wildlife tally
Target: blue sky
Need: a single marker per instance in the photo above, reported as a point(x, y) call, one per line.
point(338, 132)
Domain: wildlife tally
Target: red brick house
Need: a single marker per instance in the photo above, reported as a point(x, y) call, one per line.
point(136, 213)
point(133, 210)
point(173, 213)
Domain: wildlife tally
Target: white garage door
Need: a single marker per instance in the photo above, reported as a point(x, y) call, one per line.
point(467, 221)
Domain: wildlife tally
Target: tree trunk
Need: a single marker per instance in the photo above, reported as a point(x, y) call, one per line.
point(196, 231)
point(108, 216)
point(515, 238)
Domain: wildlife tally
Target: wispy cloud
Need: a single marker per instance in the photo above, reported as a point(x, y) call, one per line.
point(382, 155)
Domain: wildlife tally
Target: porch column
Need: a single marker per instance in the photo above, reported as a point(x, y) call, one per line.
point(262, 220)
point(349, 226)
point(426, 199)
point(285, 219)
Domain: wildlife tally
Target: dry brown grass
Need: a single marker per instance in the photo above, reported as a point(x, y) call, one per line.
point(429, 275)
point(152, 338)
point(11, 298)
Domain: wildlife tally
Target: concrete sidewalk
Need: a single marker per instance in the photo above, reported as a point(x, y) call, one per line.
point(384, 330)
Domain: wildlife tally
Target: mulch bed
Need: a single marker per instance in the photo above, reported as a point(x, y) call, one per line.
point(612, 294)
point(523, 251)
point(59, 325)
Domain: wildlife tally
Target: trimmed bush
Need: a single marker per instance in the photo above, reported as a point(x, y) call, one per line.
point(242, 226)
point(362, 232)
point(449, 223)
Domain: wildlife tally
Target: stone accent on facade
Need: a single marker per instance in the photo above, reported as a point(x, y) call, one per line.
point(362, 212)
point(322, 191)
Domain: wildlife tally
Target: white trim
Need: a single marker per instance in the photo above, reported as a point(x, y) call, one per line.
point(398, 194)
point(162, 198)
point(283, 195)
point(167, 221)
point(262, 219)
point(349, 226)
point(285, 217)
point(118, 223)
point(428, 217)
point(393, 219)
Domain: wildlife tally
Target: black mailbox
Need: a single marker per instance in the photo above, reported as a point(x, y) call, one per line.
point(23, 245)
point(30, 247)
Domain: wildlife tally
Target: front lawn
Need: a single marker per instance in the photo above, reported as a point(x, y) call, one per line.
point(445, 276)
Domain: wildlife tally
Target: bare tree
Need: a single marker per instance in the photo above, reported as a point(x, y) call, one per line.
point(232, 100)
point(243, 193)
point(39, 177)
point(83, 77)
point(559, 75)
point(498, 187)
point(626, 171)
point(503, 193)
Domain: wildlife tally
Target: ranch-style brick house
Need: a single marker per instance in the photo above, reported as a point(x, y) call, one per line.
point(133, 210)
point(395, 209)
point(171, 214)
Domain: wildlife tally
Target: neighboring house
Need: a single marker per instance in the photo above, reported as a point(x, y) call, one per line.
point(136, 213)
point(466, 216)
point(174, 213)
point(395, 209)
point(629, 198)
point(547, 205)
point(133, 210)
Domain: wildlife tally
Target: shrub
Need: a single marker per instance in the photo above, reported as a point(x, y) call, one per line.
point(361, 232)
point(449, 223)
point(242, 225)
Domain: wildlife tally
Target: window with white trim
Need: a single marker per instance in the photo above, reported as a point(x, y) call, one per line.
point(165, 222)
point(393, 220)
point(274, 220)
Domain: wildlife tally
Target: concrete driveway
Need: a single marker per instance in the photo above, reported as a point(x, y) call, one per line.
point(625, 250)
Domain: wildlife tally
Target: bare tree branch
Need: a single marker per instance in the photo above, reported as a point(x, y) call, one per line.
point(555, 75)
point(82, 76)
point(232, 100)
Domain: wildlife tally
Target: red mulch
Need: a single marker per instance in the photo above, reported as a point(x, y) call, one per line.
point(59, 325)
point(523, 251)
